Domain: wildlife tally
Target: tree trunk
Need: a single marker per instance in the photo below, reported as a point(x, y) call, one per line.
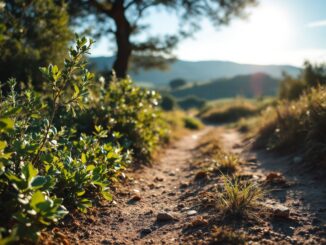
point(122, 35)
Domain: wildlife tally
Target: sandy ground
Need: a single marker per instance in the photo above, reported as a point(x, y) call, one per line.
point(168, 187)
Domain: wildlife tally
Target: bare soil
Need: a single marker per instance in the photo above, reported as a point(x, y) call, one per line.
point(176, 189)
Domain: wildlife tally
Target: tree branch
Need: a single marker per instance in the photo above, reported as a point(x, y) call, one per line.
point(102, 7)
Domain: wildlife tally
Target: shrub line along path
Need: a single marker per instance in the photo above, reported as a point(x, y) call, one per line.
point(152, 204)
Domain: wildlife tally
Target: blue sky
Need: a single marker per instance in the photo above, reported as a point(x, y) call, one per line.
point(277, 32)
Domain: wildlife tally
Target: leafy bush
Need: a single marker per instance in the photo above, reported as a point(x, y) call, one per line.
point(168, 102)
point(130, 113)
point(46, 168)
point(192, 123)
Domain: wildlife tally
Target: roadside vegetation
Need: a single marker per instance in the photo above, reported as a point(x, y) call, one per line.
point(292, 123)
point(63, 149)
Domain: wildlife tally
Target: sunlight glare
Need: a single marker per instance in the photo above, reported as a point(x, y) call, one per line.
point(268, 28)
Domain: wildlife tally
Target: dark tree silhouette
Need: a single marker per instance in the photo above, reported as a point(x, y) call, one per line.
point(177, 83)
point(33, 33)
point(123, 19)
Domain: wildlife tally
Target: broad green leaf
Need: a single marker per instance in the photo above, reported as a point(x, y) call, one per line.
point(37, 198)
point(107, 195)
point(38, 182)
point(3, 145)
point(29, 171)
point(6, 124)
point(90, 167)
point(83, 158)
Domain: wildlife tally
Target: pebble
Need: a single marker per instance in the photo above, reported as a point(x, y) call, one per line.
point(158, 179)
point(135, 198)
point(197, 222)
point(145, 232)
point(279, 211)
point(191, 212)
point(164, 216)
point(180, 206)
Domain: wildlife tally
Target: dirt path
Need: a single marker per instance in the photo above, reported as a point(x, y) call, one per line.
point(303, 192)
point(169, 188)
point(153, 190)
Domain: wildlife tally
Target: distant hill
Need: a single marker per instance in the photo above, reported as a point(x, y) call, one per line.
point(199, 71)
point(249, 86)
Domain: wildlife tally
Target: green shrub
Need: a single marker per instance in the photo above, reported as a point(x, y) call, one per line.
point(45, 169)
point(168, 102)
point(131, 115)
point(192, 123)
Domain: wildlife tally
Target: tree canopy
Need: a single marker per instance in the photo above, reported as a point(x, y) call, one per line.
point(124, 20)
point(33, 33)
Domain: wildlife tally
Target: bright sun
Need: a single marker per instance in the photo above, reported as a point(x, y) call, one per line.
point(268, 28)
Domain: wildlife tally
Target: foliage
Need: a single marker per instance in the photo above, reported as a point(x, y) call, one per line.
point(291, 88)
point(168, 102)
point(313, 75)
point(32, 34)
point(123, 20)
point(130, 113)
point(45, 169)
point(191, 102)
point(296, 126)
point(238, 197)
point(192, 123)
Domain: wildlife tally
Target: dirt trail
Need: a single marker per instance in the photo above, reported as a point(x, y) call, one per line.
point(153, 190)
point(303, 192)
point(168, 187)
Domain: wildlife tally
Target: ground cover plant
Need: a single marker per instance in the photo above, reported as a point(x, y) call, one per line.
point(50, 165)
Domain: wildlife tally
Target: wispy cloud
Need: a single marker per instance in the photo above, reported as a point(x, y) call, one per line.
point(314, 24)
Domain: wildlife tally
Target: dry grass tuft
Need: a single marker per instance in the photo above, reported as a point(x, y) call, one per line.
point(226, 163)
point(238, 197)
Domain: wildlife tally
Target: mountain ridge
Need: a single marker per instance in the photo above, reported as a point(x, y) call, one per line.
point(197, 71)
point(248, 86)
